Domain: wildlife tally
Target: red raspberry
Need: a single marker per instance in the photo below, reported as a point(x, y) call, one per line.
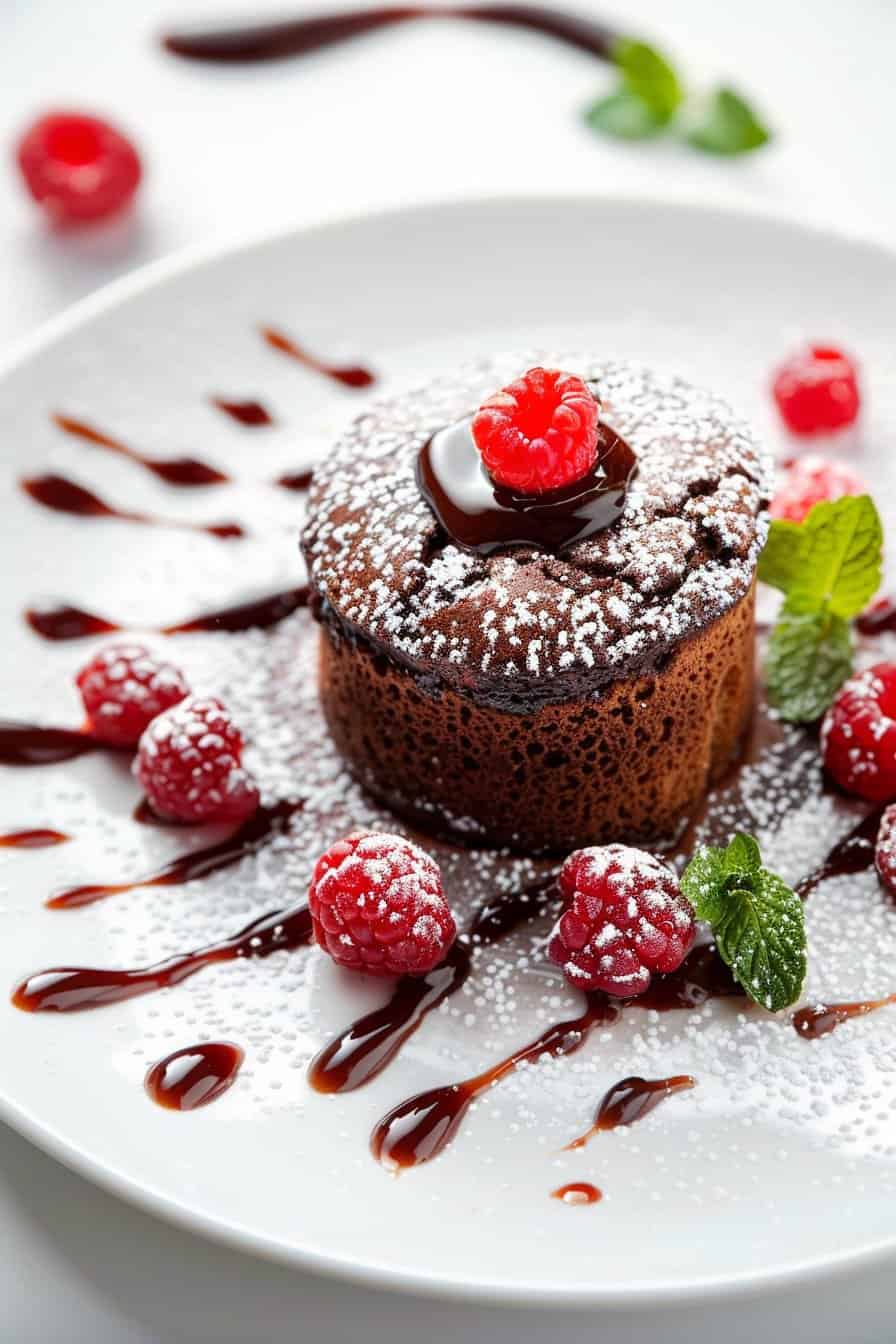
point(885, 850)
point(189, 763)
point(817, 391)
point(123, 688)
point(539, 433)
point(810, 480)
point(858, 734)
point(625, 918)
point(78, 167)
point(377, 906)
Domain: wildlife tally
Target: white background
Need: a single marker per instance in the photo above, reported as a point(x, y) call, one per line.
point(417, 113)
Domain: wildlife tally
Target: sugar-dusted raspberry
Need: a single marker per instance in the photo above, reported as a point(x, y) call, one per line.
point(539, 433)
point(817, 390)
point(809, 480)
point(78, 167)
point(124, 687)
point(885, 850)
point(858, 734)
point(377, 905)
point(625, 919)
point(190, 763)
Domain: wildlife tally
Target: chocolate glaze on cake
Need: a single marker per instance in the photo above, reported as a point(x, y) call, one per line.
point(526, 697)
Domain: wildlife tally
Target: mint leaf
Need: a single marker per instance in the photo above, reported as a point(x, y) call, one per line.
point(650, 77)
point(756, 920)
point(728, 126)
point(625, 116)
point(779, 562)
point(839, 557)
point(809, 658)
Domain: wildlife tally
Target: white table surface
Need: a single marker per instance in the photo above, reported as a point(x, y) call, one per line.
point(428, 111)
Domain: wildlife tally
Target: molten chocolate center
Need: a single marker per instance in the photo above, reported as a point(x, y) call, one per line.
point(479, 515)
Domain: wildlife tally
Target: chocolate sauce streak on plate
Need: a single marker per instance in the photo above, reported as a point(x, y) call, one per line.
point(37, 838)
point(880, 618)
point(36, 744)
point(578, 1192)
point(72, 989)
point(366, 1046)
point(630, 1100)
point(61, 621)
point(820, 1019)
point(298, 481)
point(853, 854)
point(481, 516)
point(418, 1129)
point(249, 413)
point(246, 839)
point(349, 375)
point(61, 495)
point(194, 1076)
point(300, 37)
point(182, 471)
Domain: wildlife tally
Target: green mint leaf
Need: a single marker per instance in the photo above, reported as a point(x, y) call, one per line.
point(649, 76)
point(761, 935)
point(728, 126)
point(839, 558)
point(625, 116)
point(756, 920)
point(779, 562)
point(809, 658)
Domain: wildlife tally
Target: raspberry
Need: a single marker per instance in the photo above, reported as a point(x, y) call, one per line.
point(189, 763)
point(377, 905)
point(817, 391)
point(858, 734)
point(885, 850)
point(809, 480)
point(78, 167)
point(123, 688)
point(539, 433)
point(625, 918)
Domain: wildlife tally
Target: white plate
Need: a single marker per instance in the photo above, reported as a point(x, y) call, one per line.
point(781, 1162)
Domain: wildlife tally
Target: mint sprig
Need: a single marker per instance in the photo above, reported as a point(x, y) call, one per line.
point(728, 125)
point(650, 99)
point(829, 568)
point(756, 920)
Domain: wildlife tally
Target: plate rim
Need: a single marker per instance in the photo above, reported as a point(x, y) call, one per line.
point(635, 1294)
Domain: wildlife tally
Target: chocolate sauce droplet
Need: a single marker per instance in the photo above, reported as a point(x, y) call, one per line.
point(630, 1100)
point(61, 495)
point(182, 471)
point(578, 1192)
point(194, 1076)
point(479, 515)
point(820, 1019)
point(880, 618)
point(37, 838)
point(249, 413)
point(349, 375)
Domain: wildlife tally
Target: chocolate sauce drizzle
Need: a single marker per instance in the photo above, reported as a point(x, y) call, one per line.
point(880, 618)
point(349, 375)
point(37, 838)
point(298, 481)
point(853, 854)
point(72, 989)
point(479, 515)
point(194, 1076)
point(366, 1046)
point(180, 471)
point(61, 495)
point(578, 1192)
point(300, 37)
point(820, 1019)
point(247, 839)
point(59, 621)
point(37, 744)
point(249, 413)
point(630, 1100)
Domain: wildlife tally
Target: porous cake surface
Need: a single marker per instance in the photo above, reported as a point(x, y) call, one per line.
point(525, 627)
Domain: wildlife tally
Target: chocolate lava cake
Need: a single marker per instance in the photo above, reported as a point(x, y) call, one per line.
point(541, 694)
